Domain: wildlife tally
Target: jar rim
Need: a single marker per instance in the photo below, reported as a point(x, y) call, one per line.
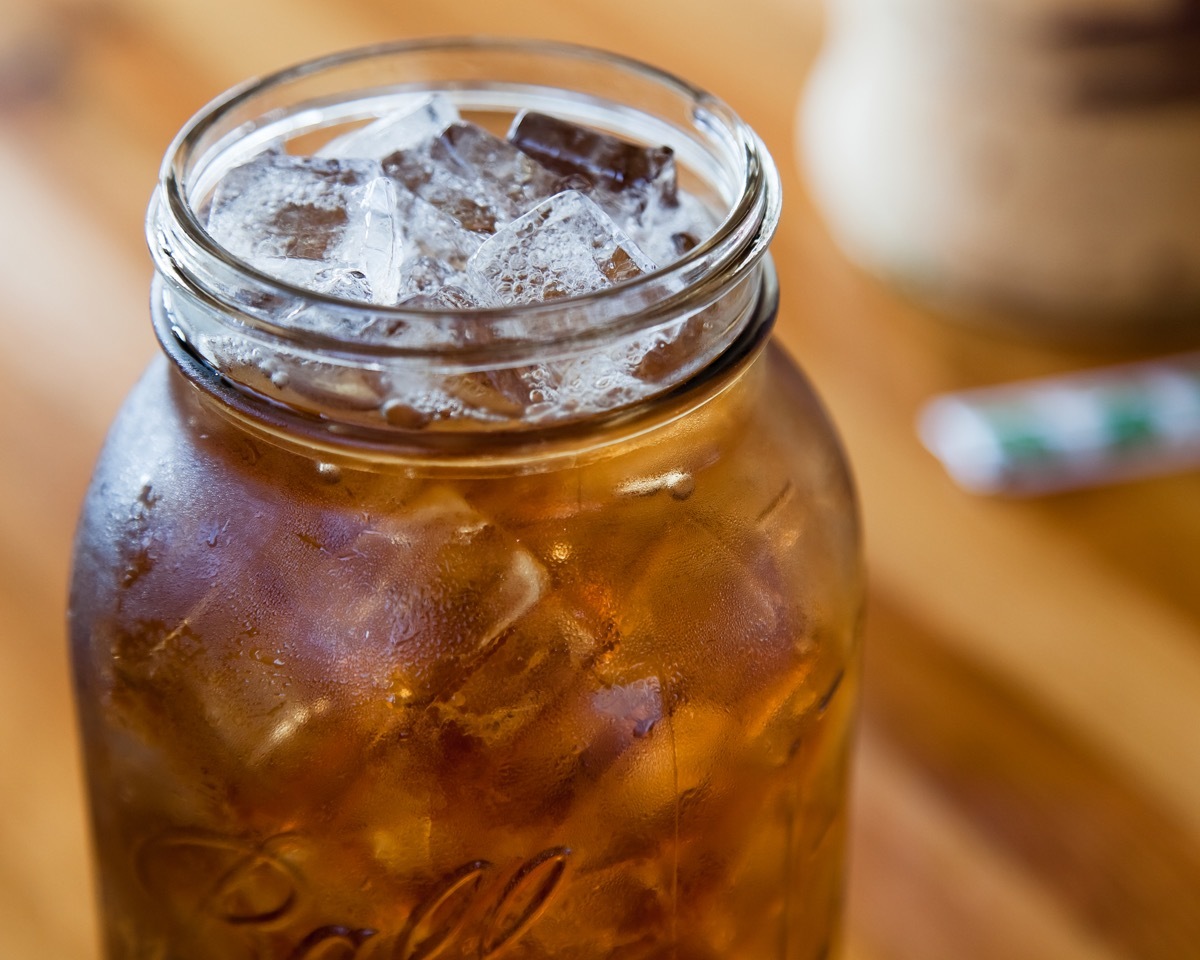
point(180, 242)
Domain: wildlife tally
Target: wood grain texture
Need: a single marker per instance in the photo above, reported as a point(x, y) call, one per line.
point(1029, 783)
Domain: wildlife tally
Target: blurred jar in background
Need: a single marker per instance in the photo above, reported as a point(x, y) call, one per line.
point(1029, 162)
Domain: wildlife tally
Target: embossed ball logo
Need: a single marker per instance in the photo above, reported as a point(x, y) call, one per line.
point(254, 893)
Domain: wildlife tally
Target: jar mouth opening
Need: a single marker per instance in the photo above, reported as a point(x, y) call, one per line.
point(185, 250)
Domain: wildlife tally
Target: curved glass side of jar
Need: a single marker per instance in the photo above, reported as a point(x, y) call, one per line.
point(599, 707)
point(1024, 165)
point(353, 686)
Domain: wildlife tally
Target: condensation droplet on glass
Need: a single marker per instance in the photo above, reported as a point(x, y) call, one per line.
point(678, 483)
point(682, 486)
point(329, 472)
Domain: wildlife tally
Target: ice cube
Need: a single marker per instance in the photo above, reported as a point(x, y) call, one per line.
point(666, 231)
point(606, 161)
point(563, 247)
point(435, 253)
point(500, 394)
point(544, 657)
point(480, 180)
point(308, 645)
point(422, 594)
point(216, 693)
point(712, 608)
point(420, 118)
point(677, 784)
point(634, 184)
point(672, 348)
point(299, 218)
point(540, 765)
point(535, 722)
point(430, 232)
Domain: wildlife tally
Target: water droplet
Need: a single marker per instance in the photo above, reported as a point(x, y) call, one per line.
point(682, 485)
point(214, 531)
point(249, 452)
point(678, 483)
point(329, 472)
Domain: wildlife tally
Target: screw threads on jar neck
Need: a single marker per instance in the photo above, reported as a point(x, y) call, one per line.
point(359, 367)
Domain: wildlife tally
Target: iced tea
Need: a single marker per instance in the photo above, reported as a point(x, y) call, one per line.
point(540, 652)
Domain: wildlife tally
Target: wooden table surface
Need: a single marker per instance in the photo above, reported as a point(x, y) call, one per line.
point(1028, 783)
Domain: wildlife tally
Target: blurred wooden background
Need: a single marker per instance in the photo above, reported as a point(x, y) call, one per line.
point(1029, 779)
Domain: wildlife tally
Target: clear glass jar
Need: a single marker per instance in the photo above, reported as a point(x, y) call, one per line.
point(358, 679)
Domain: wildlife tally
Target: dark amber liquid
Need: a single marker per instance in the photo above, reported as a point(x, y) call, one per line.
point(386, 712)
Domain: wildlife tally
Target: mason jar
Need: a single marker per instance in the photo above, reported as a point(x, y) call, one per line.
point(383, 652)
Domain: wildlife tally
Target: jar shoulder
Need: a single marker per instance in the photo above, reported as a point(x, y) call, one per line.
point(183, 499)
